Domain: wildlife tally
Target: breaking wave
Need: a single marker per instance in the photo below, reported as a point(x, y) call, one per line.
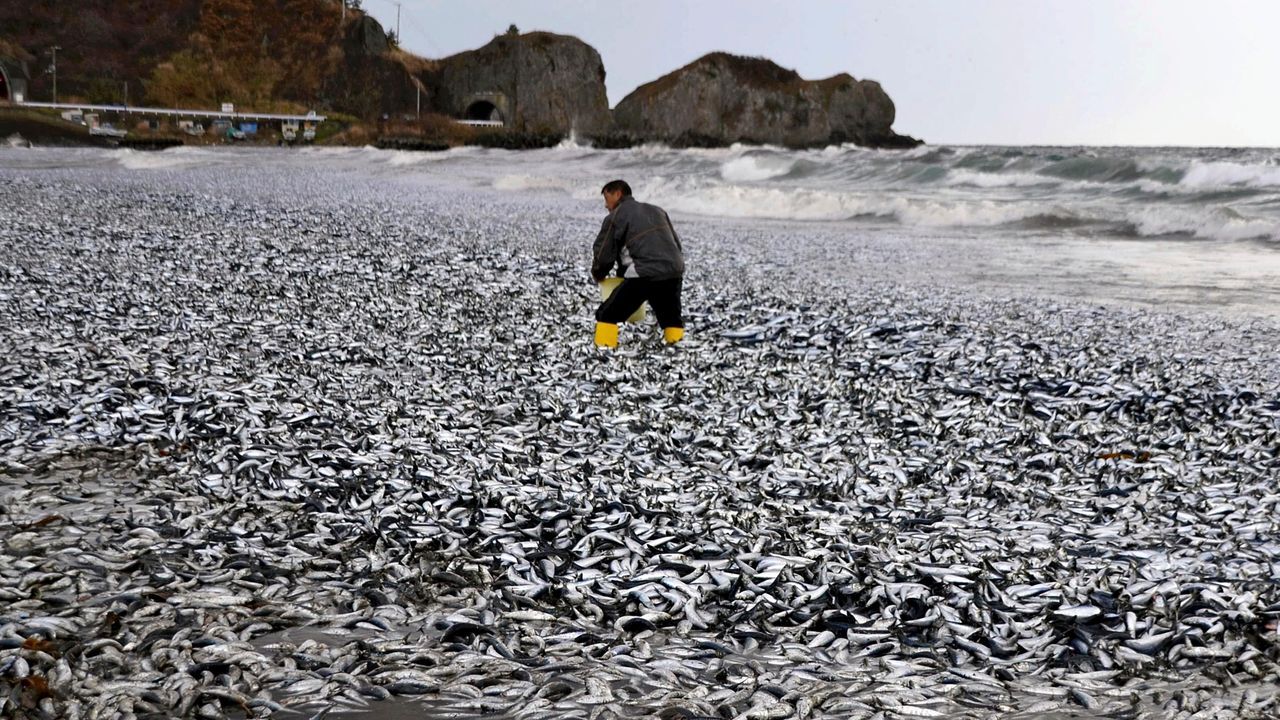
point(1048, 213)
point(171, 159)
point(806, 204)
point(1226, 195)
point(1227, 174)
point(1205, 194)
point(754, 167)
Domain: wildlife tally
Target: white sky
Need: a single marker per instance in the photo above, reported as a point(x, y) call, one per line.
point(1008, 72)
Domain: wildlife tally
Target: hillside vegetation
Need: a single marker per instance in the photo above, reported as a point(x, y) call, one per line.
point(256, 53)
point(262, 55)
point(105, 45)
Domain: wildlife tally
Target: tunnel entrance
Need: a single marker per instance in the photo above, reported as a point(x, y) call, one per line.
point(484, 110)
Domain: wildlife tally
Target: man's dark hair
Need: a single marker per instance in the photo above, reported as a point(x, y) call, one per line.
point(615, 186)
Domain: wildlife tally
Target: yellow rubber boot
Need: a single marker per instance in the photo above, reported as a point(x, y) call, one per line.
point(672, 335)
point(606, 335)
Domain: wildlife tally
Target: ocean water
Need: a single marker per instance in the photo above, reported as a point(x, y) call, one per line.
point(1182, 228)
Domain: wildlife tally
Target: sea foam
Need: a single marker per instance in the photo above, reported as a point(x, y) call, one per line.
point(1226, 174)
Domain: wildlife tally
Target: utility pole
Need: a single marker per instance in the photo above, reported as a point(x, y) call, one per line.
point(399, 41)
point(344, 11)
point(54, 70)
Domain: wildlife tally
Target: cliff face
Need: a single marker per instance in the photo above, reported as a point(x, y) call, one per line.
point(535, 82)
point(371, 79)
point(722, 98)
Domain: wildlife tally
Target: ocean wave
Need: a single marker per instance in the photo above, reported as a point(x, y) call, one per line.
point(753, 202)
point(170, 159)
point(751, 168)
point(1218, 223)
point(572, 143)
point(923, 152)
point(727, 200)
point(409, 158)
point(1225, 174)
point(1095, 169)
point(369, 155)
point(1064, 220)
point(1202, 221)
point(1130, 192)
point(336, 151)
point(845, 149)
point(962, 177)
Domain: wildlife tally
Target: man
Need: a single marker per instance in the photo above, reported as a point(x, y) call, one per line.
point(638, 238)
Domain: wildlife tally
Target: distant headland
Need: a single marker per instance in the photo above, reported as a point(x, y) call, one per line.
point(294, 56)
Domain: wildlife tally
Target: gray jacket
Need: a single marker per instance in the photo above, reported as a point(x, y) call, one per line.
point(639, 238)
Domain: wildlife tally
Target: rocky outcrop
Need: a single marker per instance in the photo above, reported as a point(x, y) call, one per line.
point(371, 81)
point(536, 82)
point(301, 53)
point(365, 36)
point(722, 99)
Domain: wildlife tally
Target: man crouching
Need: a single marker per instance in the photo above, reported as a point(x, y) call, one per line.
point(638, 238)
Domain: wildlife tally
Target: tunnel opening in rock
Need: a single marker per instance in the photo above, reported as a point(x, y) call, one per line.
point(484, 110)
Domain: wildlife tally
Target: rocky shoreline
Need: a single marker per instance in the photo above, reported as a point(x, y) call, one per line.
point(45, 131)
point(272, 443)
point(533, 86)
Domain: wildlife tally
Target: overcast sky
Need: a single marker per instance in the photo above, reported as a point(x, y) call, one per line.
point(1010, 72)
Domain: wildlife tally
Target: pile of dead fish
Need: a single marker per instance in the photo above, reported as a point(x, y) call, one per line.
point(282, 446)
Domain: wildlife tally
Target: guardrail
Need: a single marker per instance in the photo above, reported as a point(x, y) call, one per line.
point(178, 112)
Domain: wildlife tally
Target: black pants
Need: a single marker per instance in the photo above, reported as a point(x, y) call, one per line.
point(662, 295)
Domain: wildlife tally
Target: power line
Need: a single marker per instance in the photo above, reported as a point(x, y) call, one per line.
point(421, 31)
point(414, 25)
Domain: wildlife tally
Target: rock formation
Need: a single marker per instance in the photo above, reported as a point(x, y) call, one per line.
point(365, 36)
point(722, 98)
point(540, 85)
point(369, 81)
point(535, 82)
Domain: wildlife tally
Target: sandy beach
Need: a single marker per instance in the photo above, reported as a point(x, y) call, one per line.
point(282, 433)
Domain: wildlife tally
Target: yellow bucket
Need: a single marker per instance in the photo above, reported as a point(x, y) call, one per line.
point(607, 286)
